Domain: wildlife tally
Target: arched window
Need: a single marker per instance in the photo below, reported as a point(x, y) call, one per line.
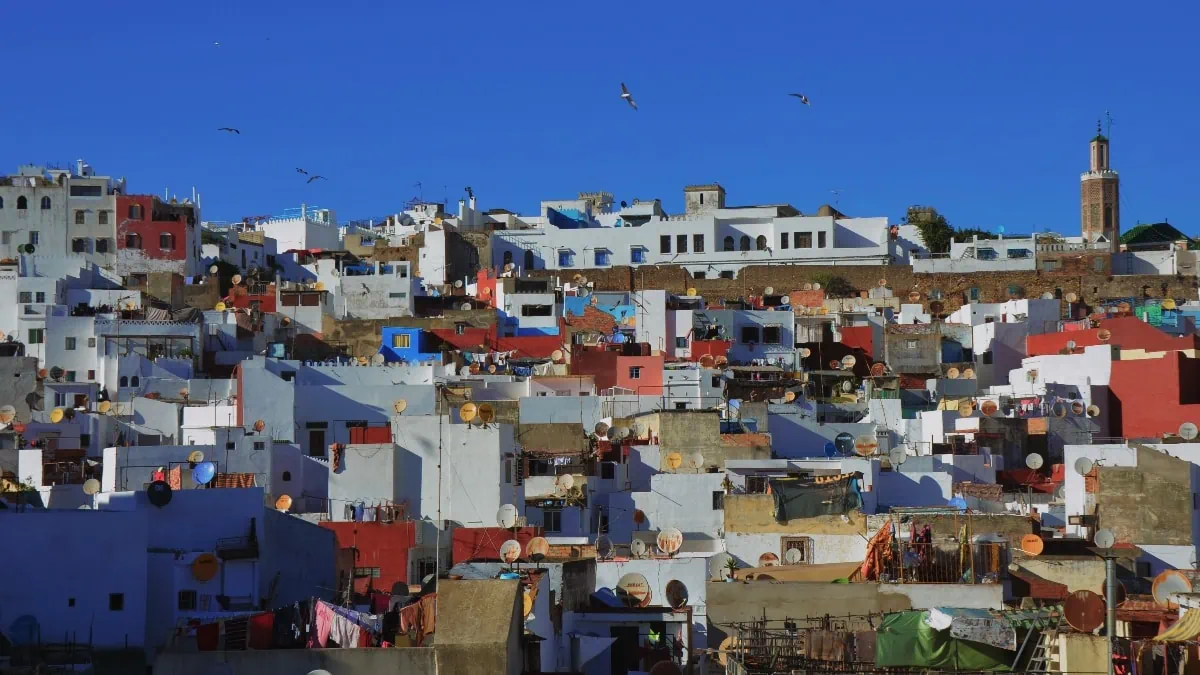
point(22, 203)
point(45, 203)
point(135, 211)
point(529, 260)
point(166, 241)
point(745, 243)
point(507, 258)
point(133, 240)
point(728, 244)
point(761, 243)
point(124, 381)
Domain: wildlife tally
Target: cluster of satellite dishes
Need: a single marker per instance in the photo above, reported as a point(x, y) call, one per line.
point(471, 414)
point(674, 460)
point(604, 431)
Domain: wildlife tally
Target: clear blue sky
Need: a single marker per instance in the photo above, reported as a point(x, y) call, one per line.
point(981, 109)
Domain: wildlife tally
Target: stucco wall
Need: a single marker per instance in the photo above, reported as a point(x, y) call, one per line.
point(755, 513)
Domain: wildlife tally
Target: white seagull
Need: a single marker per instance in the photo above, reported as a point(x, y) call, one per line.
point(628, 96)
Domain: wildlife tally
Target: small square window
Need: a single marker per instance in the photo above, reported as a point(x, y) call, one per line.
point(260, 445)
point(718, 500)
point(727, 274)
point(910, 344)
point(771, 335)
point(70, 344)
point(820, 240)
point(70, 376)
point(91, 343)
point(602, 257)
point(229, 445)
point(25, 297)
point(681, 243)
point(750, 334)
point(41, 298)
point(635, 372)
point(103, 216)
point(187, 600)
point(637, 255)
point(716, 381)
point(608, 470)
point(664, 243)
point(91, 376)
point(699, 275)
point(116, 602)
point(566, 259)
point(70, 602)
point(681, 342)
point(552, 520)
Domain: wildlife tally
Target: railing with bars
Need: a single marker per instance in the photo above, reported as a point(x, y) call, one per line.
point(946, 563)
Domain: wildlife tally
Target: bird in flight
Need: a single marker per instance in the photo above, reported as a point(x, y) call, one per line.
point(803, 99)
point(312, 178)
point(230, 130)
point(299, 170)
point(628, 96)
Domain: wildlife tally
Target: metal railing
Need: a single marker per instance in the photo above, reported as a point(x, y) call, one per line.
point(946, 563)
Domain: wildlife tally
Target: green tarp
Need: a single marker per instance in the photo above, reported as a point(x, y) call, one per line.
point(798, 498)
point(905, 640)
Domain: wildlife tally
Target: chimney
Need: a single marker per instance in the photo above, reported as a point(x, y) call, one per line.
point(472, 202)
point(461, 211)
point(303, 211)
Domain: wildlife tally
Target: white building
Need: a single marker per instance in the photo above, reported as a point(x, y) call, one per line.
point(302, 229)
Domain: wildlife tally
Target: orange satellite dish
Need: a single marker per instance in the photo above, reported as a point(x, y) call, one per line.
point(1032, 544)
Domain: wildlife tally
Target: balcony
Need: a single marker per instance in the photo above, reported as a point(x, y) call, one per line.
point(239, 548)
point(946, 563)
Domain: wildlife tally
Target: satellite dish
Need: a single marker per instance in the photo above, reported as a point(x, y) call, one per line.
point(769, 290)
point(1047, 295)
point(466, 412)
point(400, 406)
point(492, 368)
point(1032, 545)
point(204, 473)
point(1104, 539)
point(1188, 431)
point(718, 566)
point(878, 369)
point(537, 549)
point(697, 460)
point(1060, 493)
point(213, 269)
point(1168, 583)
point(195, 456)
point(56, 415)
point(1034, 461)
point(220, 307)
point(1093, 410)
point(882, 283)
point(966, 408)
point(637, 548)
point(486, 413)
point(789, 396)
point(816, 286)
point(564, 482)
point(639, 516)
point(806, 286)
point(377, 359)
point(159, 493)
point(604, 546)
point(1084, 611)
point(835, 365)
point(673, 460)
point(506, 516)
point(319, 286)
point(844, 443)
point(458, 283)
point(669, 540)
point(847, 386)
point(91, 486)
point(848, 361)
point(1084, 466)
point(1104, 335)
point(865, 445)
point(7, 413)
point(1071, 345)
point(691, 292)
point(618, 433)
point(283, 503)
point(237, 279)
point(103, 407)
point(707, 361)
point(1071, 297)
point(510, 551)
point(259, 425)
point(952, 373)
point(830, 449)
point(677, 594)
point(508, 267)
point(634, 590)
point(728, 646)
point(205, 567)
point(637, 429)
point(989, 407)
point(557, 355)
point(968, 373)
point(914, 296)
point(897, 456)
point(1059, 410)
point(768, 559)
point(466, 307)
point(601, 429)
point(785, 299)
point(794, 556)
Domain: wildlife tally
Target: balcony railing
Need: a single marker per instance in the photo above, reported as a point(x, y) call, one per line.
point(946, 563)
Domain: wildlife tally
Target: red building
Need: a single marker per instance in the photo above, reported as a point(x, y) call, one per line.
point(628, 366)
point(1127, 332)
point(381, 552)
point(1152, 397)
point(156, 236)
point(482, 544)
point(526, 346)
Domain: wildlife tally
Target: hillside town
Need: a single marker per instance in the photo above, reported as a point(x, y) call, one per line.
point(600, 438)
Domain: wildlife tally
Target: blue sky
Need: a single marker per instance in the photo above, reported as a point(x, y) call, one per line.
point(981, 109)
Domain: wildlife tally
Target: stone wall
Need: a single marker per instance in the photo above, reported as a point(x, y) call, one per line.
point(1150, 504)
point(363, 336)
point(755, 513)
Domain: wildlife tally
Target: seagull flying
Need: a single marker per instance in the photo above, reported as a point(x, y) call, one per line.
point(312, 178)
point(628, 96)
point(299, 170)
point(803, 98)
point(230, 130)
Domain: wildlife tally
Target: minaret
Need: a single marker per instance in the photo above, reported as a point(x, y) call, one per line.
point(1100, 192)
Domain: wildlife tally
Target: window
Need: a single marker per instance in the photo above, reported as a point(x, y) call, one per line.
point(260, 445)
point(681, 342)
point(910, 344)
point(987, 358)
point(801, 544)
point(80, 218)
point(529, 260)
point(101, 245)
point(761, 243)
point(366, 572)
point(166, 241)
point(749, 334)
point(1, 202)
point(135, 211)
point(803, 239)
point(70, 343)
point(133, 240)
point(1108, 217)
point(400, 341)
point(124, 381)
point(460, 328)
point(102, 217)
point(40, 297)
point(602, 257)
point(79, 245)
point(718, 500)
point(727, 245)
point(34, 237)
point(135, 381)
point(70, 601)
point(771, 335)
point(727, 274)
point(566, 258)
point(744, 243)
point(60, 399)
point(608, 470)
point(820, 240)
point(637, 254)
point(716, 381)
point(537, 310)
point(37, 336)
point(973, 294)
point(22, 203)
point(699, 275)
point(425, 567)
point(288, 375)
point(1051, 265)
point(45, 203)
point(508, 466)
point(783, 240)
point(286, 476)
point(697, 243)
point(25, 297)
point(756, 485)
point(229, 445)
point(507, 258)
point(399, 295)
point(86, 191)
point(552, 520)
point(635, 372)
point(664, 243)
point(681, 243)
point(116, 602)
point(91, 376)
point(187, 600)
point(1098, 264)
point(70, 376)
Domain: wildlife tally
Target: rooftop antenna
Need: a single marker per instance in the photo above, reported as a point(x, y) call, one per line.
point(420, 190)
point(1108, 118)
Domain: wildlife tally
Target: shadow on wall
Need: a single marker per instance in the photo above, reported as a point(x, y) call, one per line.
point(895, 489)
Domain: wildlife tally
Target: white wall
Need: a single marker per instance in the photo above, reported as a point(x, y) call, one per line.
point(913, 489)
point(1144, 262)
point(826, 548)
point(693, 572)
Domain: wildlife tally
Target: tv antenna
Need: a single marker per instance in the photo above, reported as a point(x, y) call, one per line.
point(1108, 123)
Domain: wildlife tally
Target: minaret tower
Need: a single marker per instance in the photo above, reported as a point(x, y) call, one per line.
point(1100, 192)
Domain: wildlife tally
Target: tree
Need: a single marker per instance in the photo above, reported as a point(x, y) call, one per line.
point(937, 232)
point(833, 285)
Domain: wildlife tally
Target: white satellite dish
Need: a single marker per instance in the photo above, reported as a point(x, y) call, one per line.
point(564, 482)
point(603, 546)
point(637, 548)
point(1060, 493)
point(787, 300)
point(377, 359)
point(897, 455)
point(1071, 345)
point(510, 551)
point(1188, 431)
point(697, 460)
point(669, 540)
point(794, 556)
point(1084, 466)
point(213, 269)
point(1047, 295)
point(506, 517)
point(1034, 461)
point(466, 307)
point(769, 290)
point(718, 566)
point(458, 283)
point(1104, 539)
